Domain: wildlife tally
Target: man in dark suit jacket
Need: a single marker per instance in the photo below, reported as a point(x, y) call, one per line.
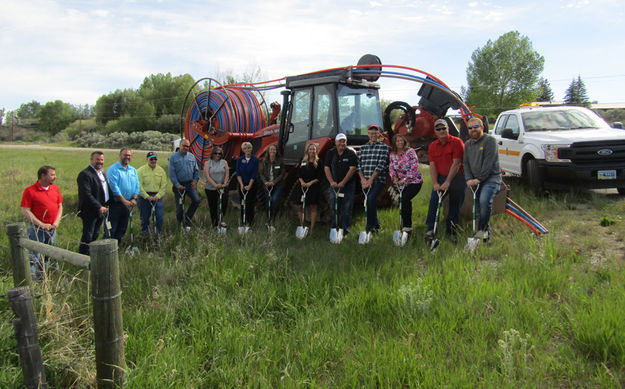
point(94, 196)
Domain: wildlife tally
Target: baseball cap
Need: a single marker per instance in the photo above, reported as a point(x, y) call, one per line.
point(340, 136)
point(440, 122)
point(152, 154)
point(374, 127)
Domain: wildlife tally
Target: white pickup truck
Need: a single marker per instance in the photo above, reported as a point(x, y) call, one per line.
point(561, 146)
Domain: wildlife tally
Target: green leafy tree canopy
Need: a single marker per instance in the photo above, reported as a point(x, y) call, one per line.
point(29, 110)
point(503, 74)
point(55, 116)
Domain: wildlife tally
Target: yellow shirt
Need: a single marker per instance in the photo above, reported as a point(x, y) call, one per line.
point(152, 180)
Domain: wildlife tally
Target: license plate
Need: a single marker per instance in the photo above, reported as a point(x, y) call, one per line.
point(606, 174)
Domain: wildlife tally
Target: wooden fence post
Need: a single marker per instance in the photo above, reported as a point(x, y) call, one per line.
point(19, 255)
point(27, 340)
point(107, 314)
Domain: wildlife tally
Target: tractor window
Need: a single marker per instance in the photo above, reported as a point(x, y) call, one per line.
point(358, 109)
point(301, 115)
point(323, 111)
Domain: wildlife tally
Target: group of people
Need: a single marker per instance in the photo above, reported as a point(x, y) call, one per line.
point(454, 166)
point(110, 197)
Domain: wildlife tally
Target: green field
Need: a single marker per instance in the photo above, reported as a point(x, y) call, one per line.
point(206, 311)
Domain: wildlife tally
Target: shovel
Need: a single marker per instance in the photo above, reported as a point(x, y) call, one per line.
point(221, 229)
point(435, 240)
point(132, 250)
point(473, 242)
point(336, 234)
point(302, 231)
point(107, 226)
point(365, 236)
point(182, 194)
point(153, 213)
point(400, 237)
point(269, 226)
point(244, 229)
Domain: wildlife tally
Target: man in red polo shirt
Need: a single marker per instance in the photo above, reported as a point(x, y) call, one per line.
point(445, 155)
point(42, 206)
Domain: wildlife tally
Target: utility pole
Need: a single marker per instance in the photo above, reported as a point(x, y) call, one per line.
point(12, 124)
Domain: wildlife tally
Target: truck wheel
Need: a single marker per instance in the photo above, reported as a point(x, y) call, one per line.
point(621, 190)
point(535, 177)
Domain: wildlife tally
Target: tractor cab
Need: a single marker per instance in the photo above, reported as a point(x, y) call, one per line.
point(321, 105)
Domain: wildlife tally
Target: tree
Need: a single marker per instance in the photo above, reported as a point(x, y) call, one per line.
point(576, 93)
point(546, 94)
point(29, 110)
point(56, 116)
point(503, 74)
point(120, 103)
point(165, 93)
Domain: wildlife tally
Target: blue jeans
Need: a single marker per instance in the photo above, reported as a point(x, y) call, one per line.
point(373, 223)
point(346, 203)
point(275, 195)
point(90, 232)
point(455, 193)
point(119, 216)
point(195, 202)
point(486, 193)
point(145, 209)
point(38, 262)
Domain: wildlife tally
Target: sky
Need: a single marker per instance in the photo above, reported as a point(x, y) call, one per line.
point(76, 51)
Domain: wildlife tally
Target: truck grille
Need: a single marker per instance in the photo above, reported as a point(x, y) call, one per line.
point(594, 153)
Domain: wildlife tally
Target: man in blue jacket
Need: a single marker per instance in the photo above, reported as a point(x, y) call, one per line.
point(184, 175)
point(124, 182)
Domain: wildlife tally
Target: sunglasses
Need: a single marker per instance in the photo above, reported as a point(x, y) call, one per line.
point(441, 129)
point(475, 127)
point(153, 159)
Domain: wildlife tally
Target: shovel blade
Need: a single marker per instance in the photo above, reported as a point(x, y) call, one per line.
point(301, 232)
point(400, 238)
point(472, 244)
point(271, 228)
point(434, 244)
point(336, 235)
point(364, 237)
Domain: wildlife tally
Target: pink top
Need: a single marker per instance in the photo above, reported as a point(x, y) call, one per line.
point(405, 166)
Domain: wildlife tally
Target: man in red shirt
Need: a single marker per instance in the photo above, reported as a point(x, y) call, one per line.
point(445, 155)
point(42, 206)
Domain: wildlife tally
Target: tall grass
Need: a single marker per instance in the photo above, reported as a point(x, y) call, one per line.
point(268, 310)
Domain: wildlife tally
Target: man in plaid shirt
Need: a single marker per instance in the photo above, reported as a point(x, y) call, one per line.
point(372, 168)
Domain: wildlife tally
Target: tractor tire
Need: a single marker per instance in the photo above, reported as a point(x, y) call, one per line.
point(621, 190)
point(535, 177)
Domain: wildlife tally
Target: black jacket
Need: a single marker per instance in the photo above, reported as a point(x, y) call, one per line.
point(91, 192)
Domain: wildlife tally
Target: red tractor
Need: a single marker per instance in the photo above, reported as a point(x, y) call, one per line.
point(316, 107)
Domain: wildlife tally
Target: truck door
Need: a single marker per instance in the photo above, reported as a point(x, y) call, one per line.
point(509, 149)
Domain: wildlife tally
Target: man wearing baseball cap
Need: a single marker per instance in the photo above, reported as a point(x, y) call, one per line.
point(153, 185)
point(372, 168)
point(340, 166)
point(445, 155)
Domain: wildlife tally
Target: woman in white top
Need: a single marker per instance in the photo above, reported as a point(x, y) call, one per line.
point(216, 172)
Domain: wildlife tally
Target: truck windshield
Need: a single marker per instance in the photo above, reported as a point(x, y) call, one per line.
point(560, 120)
point(358, 109)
